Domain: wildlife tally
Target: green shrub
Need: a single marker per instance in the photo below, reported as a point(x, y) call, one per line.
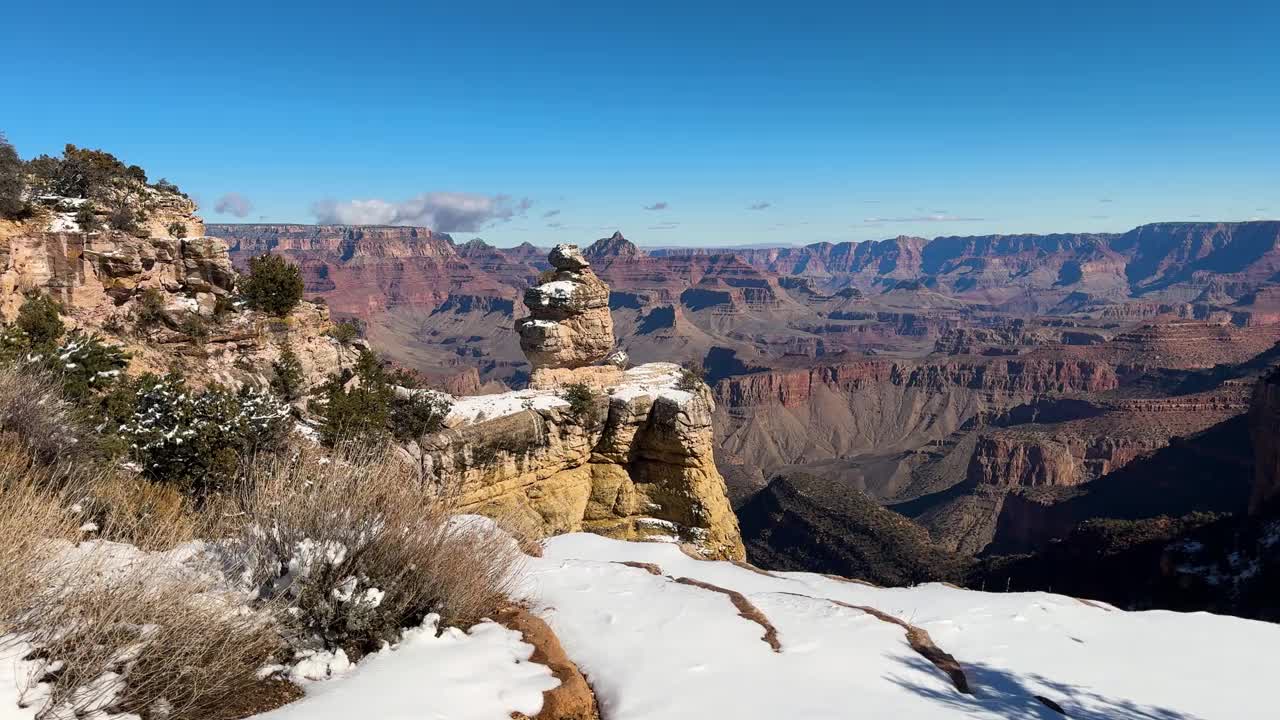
point(582, 403)
point(87, 365)
point(194, 327)
point(123, 218)
point(372, 411)
point(177, 230)
point(163, 185)
point(83, 173)
point(286, 375)
point(197, 441)
point(357, 414)
point(40, 319)
point(692, 377)
point(274, 285)
point(148, 310)
point(345, 331)
point(87, 218)
point(419, 413)
point(222, 307)
point(13, 183)
point(83, 363)
point(33, 335)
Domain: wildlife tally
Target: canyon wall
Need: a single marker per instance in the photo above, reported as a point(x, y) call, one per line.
point(1264, 429)
point(776, 418)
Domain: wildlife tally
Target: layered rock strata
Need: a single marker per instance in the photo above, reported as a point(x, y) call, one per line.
point(105, 280)
point(637, 464)
point(569, 324)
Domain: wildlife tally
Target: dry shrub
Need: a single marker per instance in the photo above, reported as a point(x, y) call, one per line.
point(117, 628)
point(127, 508)
point(33, 409)
point(31, 516)
point(132, 634)
point(361, 547)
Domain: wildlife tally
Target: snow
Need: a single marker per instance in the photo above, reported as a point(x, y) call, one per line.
point(558, 289)
point(657, 649)
point(476, 408)
point(17, 682)
point(64, 222)
point(483, 674)
point(654, 648)
point(652, 379)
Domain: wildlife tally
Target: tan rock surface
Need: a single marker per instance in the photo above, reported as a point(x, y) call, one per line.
point(596, 376)
point(101, 279)
point(642, 469)
point(569, 324)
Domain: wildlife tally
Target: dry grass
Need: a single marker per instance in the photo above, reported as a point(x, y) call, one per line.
point(130, 509)
point(362, 548)
point(345, 550)
point(143, 639)
point(31, 516)
point(119, 629)
point(33, 409)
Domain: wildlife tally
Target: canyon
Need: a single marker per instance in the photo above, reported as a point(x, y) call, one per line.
point(993, 392)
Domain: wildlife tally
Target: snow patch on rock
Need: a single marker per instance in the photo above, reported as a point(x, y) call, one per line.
point(652, 379)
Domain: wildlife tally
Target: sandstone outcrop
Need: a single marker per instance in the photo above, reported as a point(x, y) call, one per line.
point(631, 459)
point(94, 274)
point(569, 324)
point(105, 279)
point(638, 465)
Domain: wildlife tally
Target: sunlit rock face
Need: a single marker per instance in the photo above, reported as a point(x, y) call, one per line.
point(569, 325)
point(637, 463)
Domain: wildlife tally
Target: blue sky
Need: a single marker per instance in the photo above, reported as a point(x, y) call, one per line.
point(678, 123)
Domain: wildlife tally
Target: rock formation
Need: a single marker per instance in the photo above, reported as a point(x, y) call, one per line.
point(105, 279)
point(638, 464)
point(94, 273)
point(569, 325)
point(632, 460)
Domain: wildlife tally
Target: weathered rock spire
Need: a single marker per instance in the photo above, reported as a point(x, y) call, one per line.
point(569, 325)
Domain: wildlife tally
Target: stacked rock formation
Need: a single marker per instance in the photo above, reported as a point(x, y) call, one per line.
point(569, 325)
point(637, 464)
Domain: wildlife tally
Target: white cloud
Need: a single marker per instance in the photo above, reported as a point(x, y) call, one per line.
point(440, 211)
point(656, 206)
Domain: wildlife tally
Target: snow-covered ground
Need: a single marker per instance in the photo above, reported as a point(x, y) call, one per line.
point(657, 379)
point(662, 636)
point(654, 649)
point(482, 674)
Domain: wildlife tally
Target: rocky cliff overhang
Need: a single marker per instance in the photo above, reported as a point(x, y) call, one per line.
point(638, 464)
